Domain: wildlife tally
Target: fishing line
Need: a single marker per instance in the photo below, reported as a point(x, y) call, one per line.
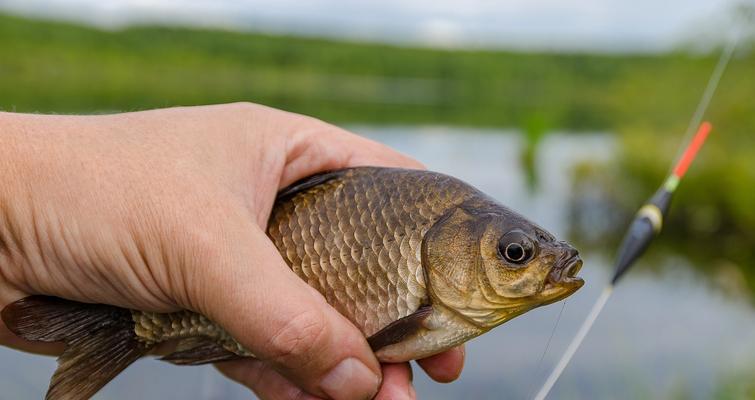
point(531, 389)
point(710, 88)
point(574, 345)
point(648, 221)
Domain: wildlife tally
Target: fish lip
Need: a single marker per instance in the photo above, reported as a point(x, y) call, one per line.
point(572, 268)
point(566, 273)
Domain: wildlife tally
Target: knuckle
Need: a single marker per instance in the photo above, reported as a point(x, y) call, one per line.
point(245, 111)
point(314, 121)
point(299, 338)
point(243, 106)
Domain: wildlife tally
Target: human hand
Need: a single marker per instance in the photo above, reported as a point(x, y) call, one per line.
point(165, 210)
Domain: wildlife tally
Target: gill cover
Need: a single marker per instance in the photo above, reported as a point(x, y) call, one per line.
point(467, 271)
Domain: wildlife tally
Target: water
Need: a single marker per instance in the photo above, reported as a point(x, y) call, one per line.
point(669, 334)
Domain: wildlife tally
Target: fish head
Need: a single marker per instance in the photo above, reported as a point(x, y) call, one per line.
point(493, 264)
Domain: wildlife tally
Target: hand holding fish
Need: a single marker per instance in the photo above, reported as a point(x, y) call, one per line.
point(168, 228)
point(166, 210)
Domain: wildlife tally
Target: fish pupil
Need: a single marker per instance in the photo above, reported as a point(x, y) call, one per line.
point(516, 247)
point(515, 252)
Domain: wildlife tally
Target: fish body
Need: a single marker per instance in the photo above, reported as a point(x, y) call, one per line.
point(418, 261)
point(357, 238)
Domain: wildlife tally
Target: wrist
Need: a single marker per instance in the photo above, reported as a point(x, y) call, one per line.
point(10, 172)
point(16, 156)
point(21, 168)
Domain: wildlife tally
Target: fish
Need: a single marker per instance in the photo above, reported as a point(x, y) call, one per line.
point(419, 261)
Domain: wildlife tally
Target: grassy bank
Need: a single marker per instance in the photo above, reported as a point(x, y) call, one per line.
point(59, 67)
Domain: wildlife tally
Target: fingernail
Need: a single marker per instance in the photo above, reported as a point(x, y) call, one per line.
point(350, 379)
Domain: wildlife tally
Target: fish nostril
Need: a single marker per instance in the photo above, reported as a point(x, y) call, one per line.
point(568, 250)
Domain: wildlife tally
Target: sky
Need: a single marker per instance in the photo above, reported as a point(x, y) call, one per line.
point(590, 25)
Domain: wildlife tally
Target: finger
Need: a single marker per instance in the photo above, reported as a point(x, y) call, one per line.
point(444, 367)
point(397, 383)
point(263, 380)
point(253, 294)
point(316, 146)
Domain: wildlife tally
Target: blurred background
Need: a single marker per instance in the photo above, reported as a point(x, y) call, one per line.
point(567, 111)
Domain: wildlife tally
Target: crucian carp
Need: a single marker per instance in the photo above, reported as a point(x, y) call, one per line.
point(419, 261)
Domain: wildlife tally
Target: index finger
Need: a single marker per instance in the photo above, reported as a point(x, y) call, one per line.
point(315, 146)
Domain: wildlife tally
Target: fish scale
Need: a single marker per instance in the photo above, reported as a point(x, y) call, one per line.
point(152, 328)
point(369, 265)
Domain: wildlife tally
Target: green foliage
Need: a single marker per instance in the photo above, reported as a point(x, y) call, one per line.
point(58, 67)
point(736, 385)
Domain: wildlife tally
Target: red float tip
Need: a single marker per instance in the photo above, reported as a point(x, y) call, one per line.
point(689, 154)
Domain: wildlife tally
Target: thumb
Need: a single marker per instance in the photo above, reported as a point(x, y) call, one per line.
point(252, 293)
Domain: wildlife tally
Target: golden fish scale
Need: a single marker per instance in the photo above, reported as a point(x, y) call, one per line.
point(357, 239)
point(151, 328)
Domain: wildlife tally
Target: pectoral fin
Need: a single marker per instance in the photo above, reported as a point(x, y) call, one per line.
point(400, 329)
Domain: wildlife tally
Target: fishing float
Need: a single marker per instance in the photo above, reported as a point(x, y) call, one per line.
point(647, 224)
point(648, 221)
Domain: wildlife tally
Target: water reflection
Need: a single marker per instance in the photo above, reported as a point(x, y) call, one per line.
point(663, 334)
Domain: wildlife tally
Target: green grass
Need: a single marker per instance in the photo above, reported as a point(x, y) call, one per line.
point(59, 67)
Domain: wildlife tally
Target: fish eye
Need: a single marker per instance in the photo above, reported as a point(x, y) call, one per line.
point(516, 248)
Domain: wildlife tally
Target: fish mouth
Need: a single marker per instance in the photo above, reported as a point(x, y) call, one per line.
point(565, 274)
point(562, 281)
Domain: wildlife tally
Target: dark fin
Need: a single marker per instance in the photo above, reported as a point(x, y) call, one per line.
point(198, 351)
point(400, 329)
point(308, 182)
point(100, 341)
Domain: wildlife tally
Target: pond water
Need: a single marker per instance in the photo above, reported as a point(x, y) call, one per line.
point(666, 334)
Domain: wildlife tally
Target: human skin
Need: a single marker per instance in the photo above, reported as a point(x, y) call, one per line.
point(166, 209)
